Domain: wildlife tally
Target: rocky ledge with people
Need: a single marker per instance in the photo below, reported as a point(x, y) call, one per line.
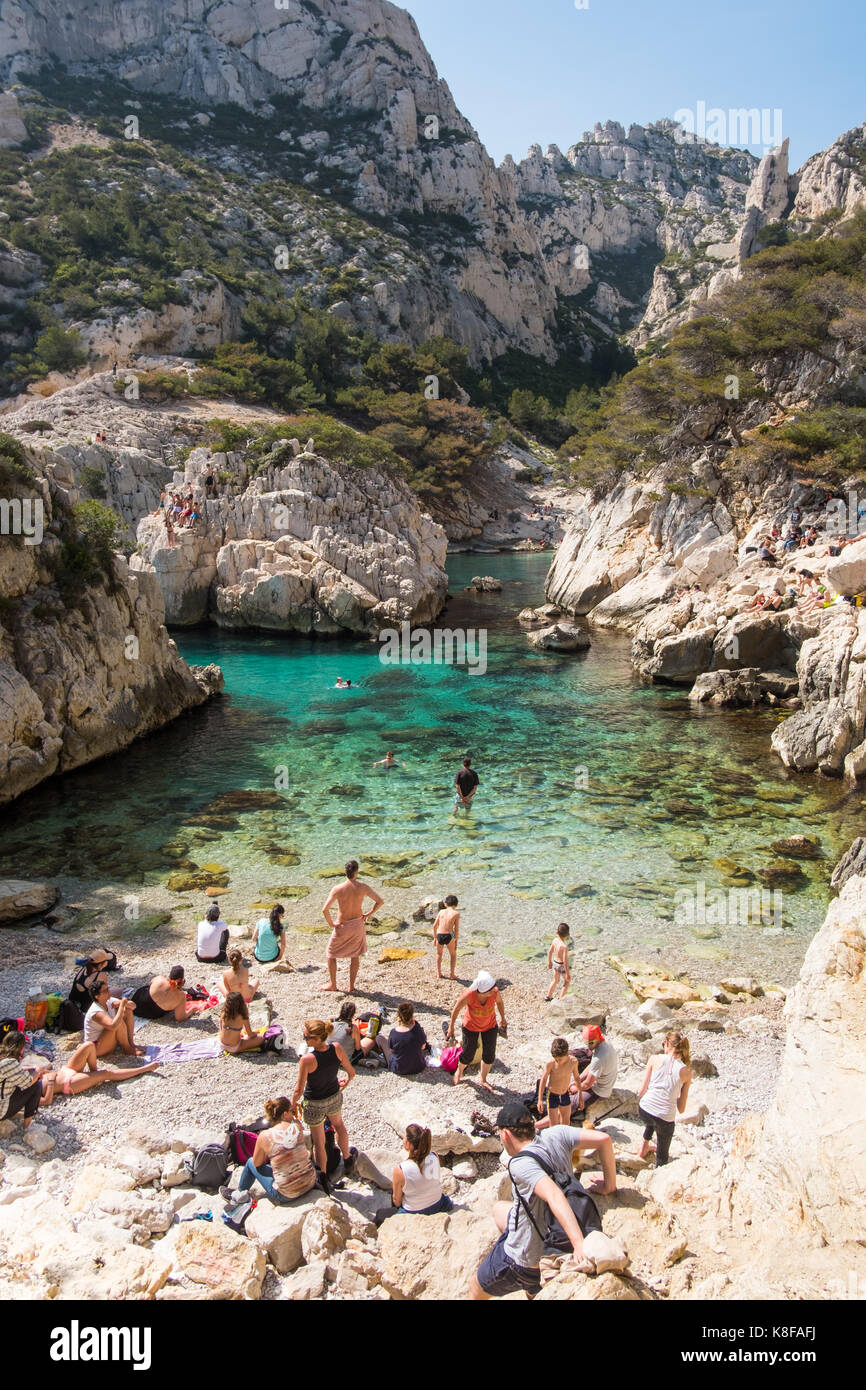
point(715, 602)
point(304, 545)
point(751, 1202)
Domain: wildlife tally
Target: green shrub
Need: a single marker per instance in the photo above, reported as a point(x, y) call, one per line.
point(92, 481)
point(59, 349)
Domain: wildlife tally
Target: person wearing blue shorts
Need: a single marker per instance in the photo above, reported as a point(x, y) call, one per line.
point(513, 1264)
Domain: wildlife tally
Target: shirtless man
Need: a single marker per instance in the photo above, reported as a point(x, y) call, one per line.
point(165, 998)
point(349, 933)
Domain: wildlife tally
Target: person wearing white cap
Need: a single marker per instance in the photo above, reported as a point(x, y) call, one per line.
point(482, 999)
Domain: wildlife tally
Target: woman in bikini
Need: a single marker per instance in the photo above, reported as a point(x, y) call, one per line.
point(81, 1073)
point(234, 1023)
point(236, 980)
point(446, 929)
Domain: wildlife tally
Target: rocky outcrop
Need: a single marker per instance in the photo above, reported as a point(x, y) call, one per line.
point(560, 637)
point(20, 899)
point(305, 546)
point(811, 1179)
point(680, 571)
point(83, 676)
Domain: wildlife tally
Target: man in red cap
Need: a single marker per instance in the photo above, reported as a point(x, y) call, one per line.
point(598, 1077)
point(599, 1067)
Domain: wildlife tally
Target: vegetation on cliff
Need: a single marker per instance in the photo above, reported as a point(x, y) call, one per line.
point(804, 299)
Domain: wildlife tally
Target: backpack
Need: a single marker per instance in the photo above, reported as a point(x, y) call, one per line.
point(274, 1039)
point(333, 1157)
point(449, 1057)
point(585, 1211)
point(235, 1216)
point(196, 993)
point(70, 1019)
point(209, 1167)
point(241, 1143)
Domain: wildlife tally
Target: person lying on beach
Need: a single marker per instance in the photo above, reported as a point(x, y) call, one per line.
point(235, 1023)
point(236, 980)
point(165, 998)
point(80, 1073)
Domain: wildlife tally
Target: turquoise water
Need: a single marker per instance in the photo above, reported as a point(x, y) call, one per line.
point(601, 798)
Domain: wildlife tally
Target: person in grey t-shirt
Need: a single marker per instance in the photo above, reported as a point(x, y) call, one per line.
point(513, 1263)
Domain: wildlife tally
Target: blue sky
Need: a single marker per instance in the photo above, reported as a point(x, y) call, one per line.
point(542, 71)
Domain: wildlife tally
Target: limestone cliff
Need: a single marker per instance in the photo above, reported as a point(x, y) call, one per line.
point(303, 546)
point(812, 1177)
point(392, 212)
point(86, 672)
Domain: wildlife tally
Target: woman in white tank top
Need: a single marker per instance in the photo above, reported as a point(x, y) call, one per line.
point(663, 1092)
point(416, 1182)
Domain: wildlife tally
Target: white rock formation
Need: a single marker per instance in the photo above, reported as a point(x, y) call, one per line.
point(307, 546)
point(80, 681)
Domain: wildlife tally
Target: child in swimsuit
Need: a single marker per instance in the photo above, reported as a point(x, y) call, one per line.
point(557, 961)
point(446, 929)
point(561, 1072)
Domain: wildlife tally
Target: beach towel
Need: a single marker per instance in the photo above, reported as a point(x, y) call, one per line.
point(183, 1051)
point(348, 939)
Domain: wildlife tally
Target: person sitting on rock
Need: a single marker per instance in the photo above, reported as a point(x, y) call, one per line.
point(213, 938)
point(235, 1023)
point(165, 998)
point(765, 552)
point(664, 1091)
point(109, 1023)
point(236, 980)
point(18, 1088)
point(80, 1073)
point(416, 1183)
point(281, 1162)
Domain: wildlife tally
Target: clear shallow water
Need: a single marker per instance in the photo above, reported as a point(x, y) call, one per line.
point(588, 778)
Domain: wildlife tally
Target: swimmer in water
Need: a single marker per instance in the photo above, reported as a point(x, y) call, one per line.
point(341, 684)
point(388, 761)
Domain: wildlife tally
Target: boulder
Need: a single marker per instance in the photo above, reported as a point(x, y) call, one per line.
point(38, 1139)
point(377, 1166)
point(143, 1168)
point(569, 1285)
point(136, 1208)
point(306, 1284)
point(486, 584)
point(21, 898)
point(434, 1257)
point(851, 865)
point(327, 1228)
point(654, 1009)
point(742, 984)
point(702, 1066)
point(277, 1230)
point(560, 637)
point(569, 1013)
point(629, 1025)
point(448, 1119)
point(226, 1266)
point(728, 689)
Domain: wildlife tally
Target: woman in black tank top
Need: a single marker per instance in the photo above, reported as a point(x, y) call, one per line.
point(322, 1082)
point(323, 1091)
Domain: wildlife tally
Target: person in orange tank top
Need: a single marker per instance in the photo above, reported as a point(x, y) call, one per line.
point(482, 999)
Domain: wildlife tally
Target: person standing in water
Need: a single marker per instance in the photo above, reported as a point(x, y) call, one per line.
point(349, 932)
point(466, 783)
point(388, 761)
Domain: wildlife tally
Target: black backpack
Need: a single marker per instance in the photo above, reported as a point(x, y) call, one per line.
point(70, 1019)
point(586, 1212)
point(209, 1167)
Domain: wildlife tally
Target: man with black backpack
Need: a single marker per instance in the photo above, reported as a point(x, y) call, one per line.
point(549, 1202)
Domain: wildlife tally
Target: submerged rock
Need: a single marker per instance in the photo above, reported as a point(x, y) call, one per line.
point(560, 637)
